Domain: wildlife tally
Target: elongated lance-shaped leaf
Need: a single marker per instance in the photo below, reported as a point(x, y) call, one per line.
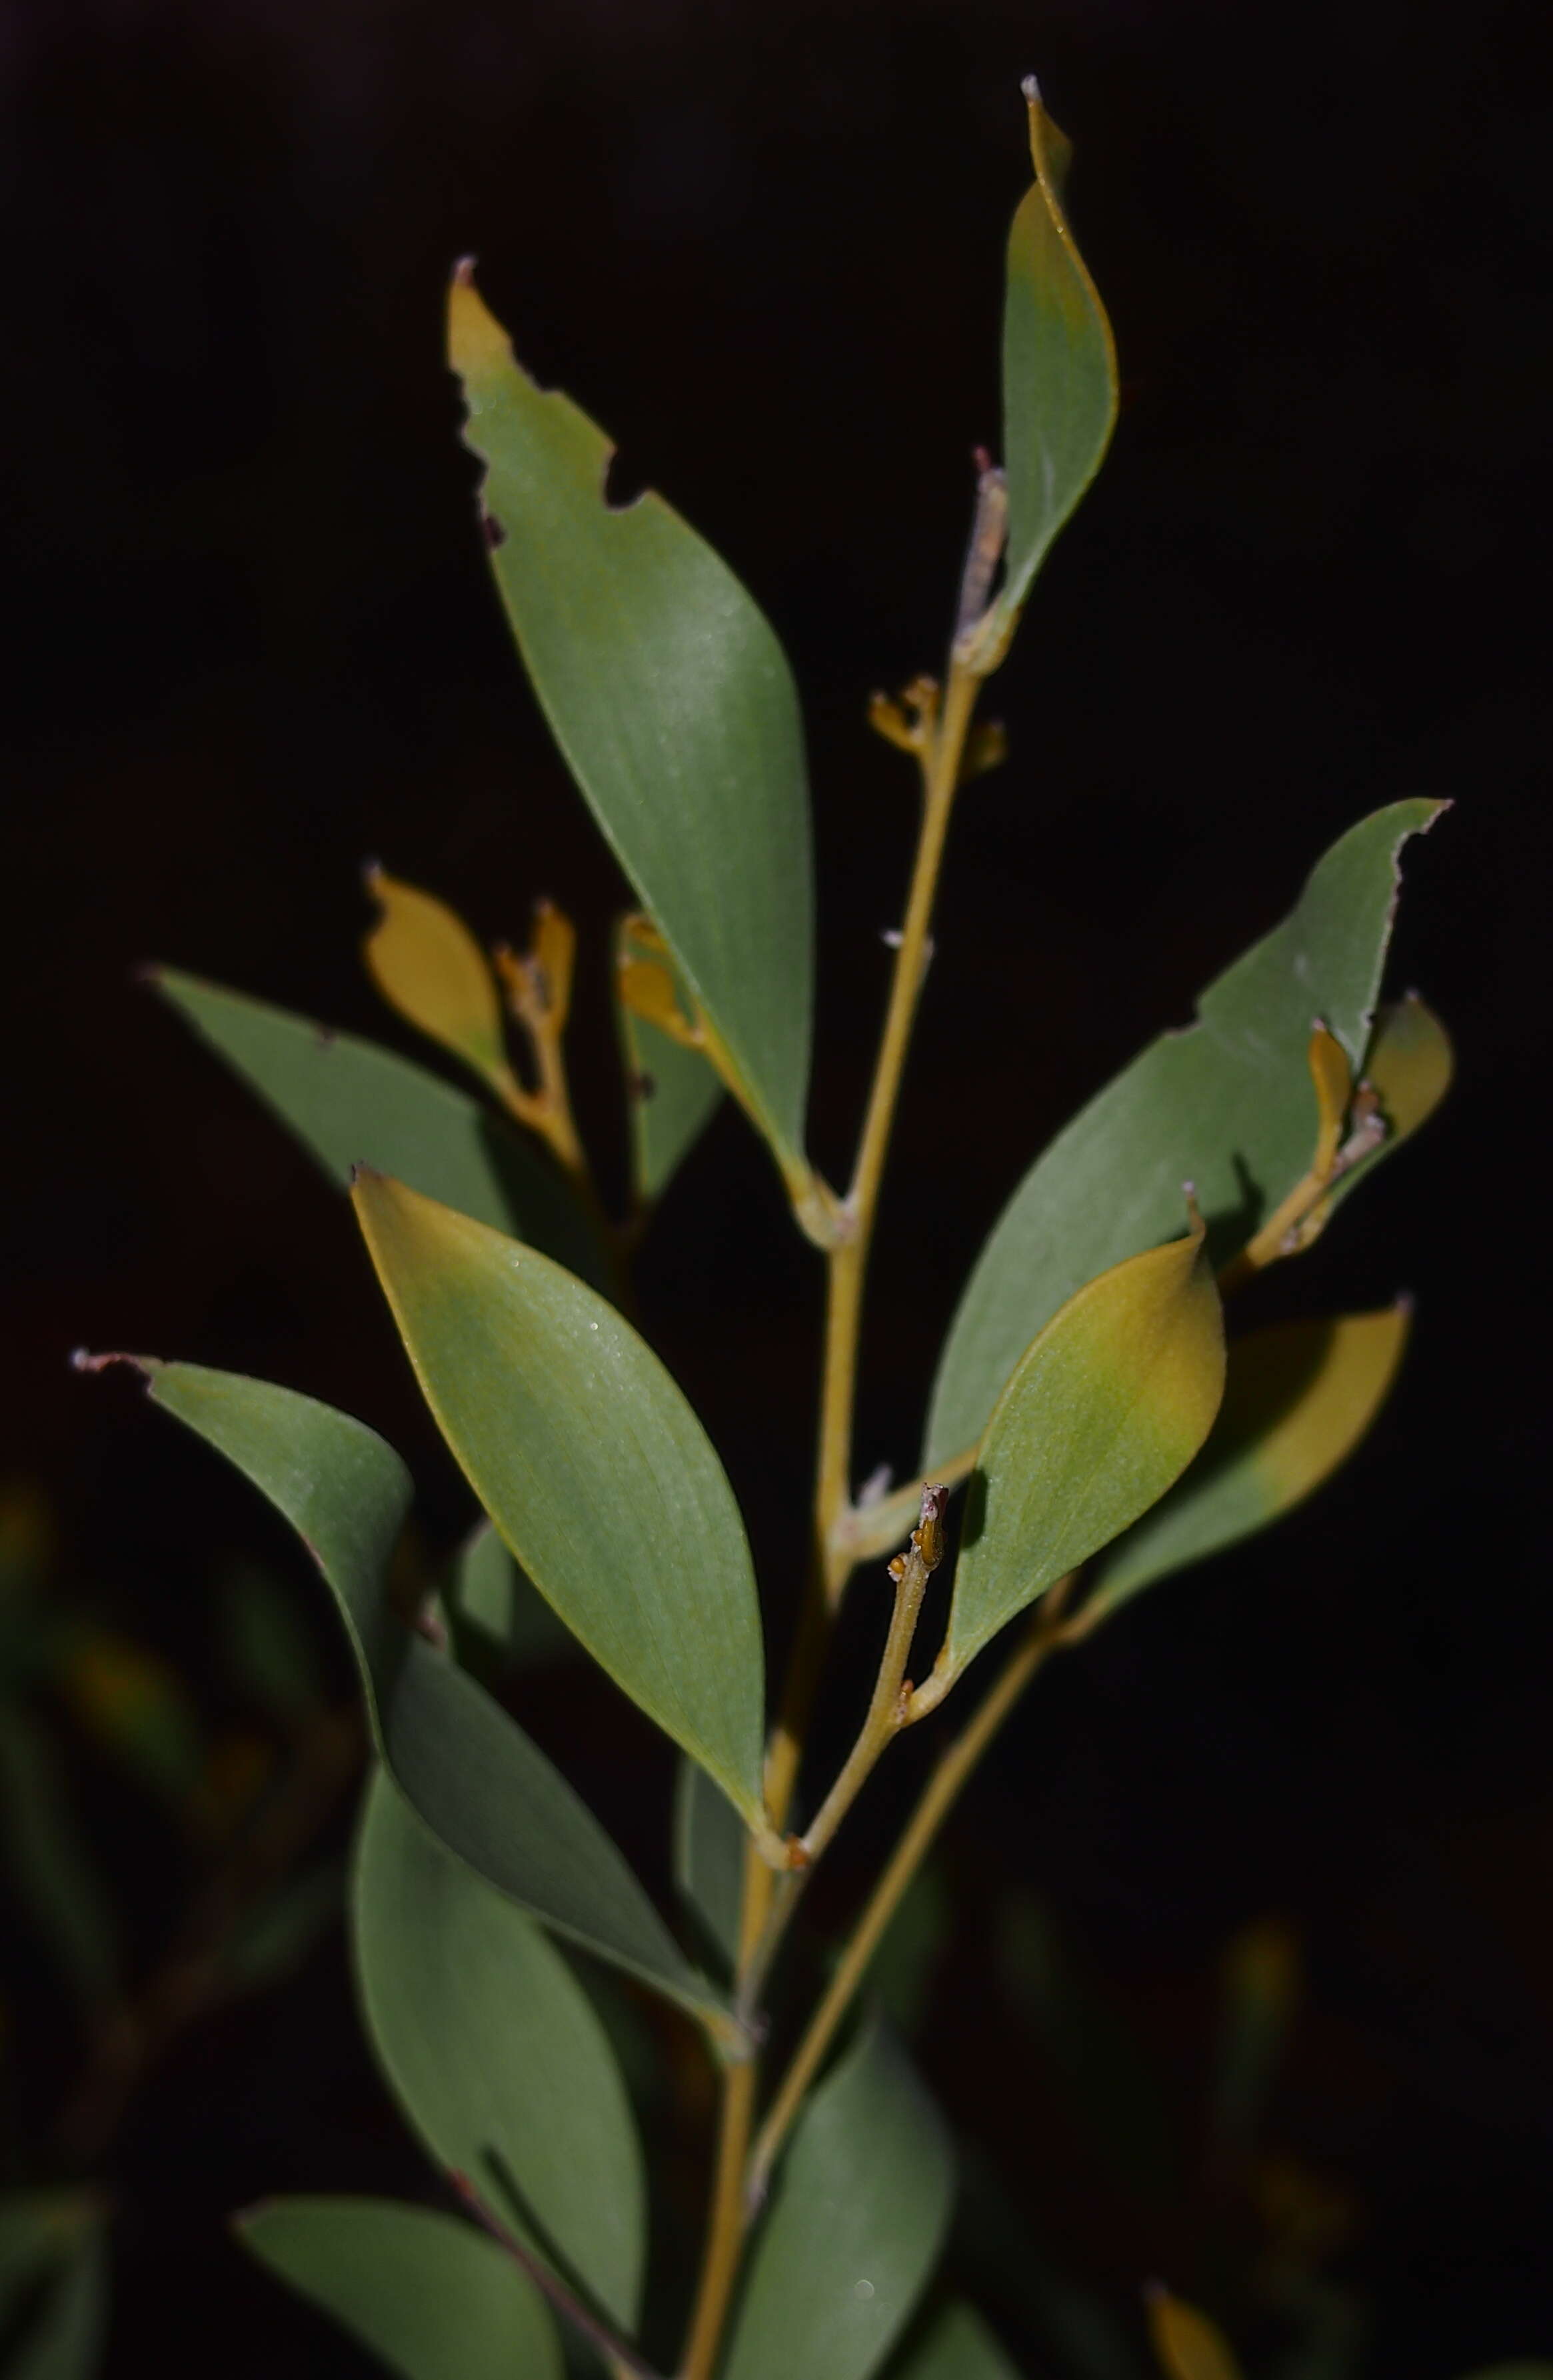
point(673, 704)
point(1059, 386)
point(671, 1091)
point(351, 1103)
point(856, 2220)
point(428, 965)
point(478, 1782)
point(1298, 1398)
point(956, 2345)
point(593, 1467)
point(495, 2054)
point(432, 2298)
point(1227, 1103)
point(1107, 1409)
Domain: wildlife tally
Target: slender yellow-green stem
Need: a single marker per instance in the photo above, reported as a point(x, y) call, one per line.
point(938, 1799)
point(725, 2224)
point(887, 1708)
point(848, 1239)
point(849, 1258)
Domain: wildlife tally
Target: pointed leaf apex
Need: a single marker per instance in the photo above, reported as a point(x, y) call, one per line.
point(476, 345)
point(83, 1360)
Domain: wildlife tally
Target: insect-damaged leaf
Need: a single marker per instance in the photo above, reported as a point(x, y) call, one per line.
point(1106, 1410)
point(1226, 1103)
point(673, 704)
point(495, 2054)
point(478, 1782)
point(1059, 369)
point(431, 2297)
point(1297, 1400)
point(593, 1467)
point(856, 2223)
point(351, 1103)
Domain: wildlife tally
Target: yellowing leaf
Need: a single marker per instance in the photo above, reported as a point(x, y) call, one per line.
point(1059, 369)
point(1189, 2347)
point(1332, 1084)
point(1297, 1400)
point(1409, 1070)
point(596, 1473)
point(426, 964)
point(1227, 1100)
point(1103, 1414)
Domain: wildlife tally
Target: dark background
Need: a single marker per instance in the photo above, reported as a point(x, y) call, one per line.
point(253, 641)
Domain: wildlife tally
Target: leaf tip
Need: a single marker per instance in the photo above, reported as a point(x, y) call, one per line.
point(83, 1360)
point(1030, 87)
point(476, 345)
point(149, 972)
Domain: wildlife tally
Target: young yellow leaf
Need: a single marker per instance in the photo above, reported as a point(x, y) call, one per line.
point(1298, 1398)
point(1104, 1413)
point(426, 964)
point(595, 1470)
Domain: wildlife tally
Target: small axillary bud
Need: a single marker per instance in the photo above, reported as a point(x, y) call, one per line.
point(927, 1538)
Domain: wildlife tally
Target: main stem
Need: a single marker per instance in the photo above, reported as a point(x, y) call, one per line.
point(830, 1564)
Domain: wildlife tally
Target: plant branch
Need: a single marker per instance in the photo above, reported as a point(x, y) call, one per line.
point(940, 741)
point(886, 1715)
point(864, 1530)
point(938, 1796)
